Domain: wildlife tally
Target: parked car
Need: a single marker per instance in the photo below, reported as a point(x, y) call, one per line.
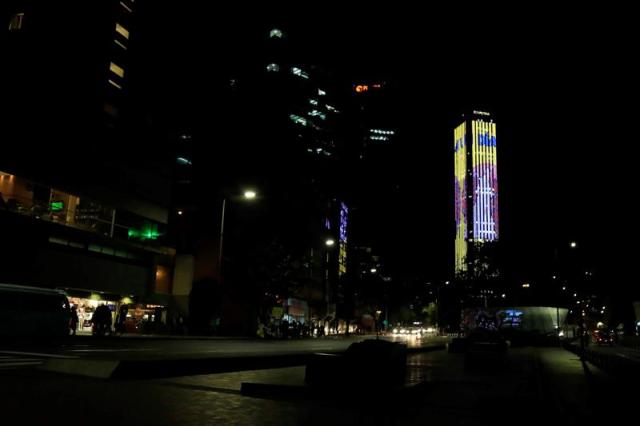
point(29, 311)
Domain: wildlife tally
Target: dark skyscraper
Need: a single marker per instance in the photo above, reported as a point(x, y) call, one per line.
point(85, 184)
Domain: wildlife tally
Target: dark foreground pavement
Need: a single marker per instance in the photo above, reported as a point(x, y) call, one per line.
point(536, 386)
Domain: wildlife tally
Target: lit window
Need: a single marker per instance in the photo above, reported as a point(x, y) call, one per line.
point(125, 7)
point(382, 132)
point(116, 41)
point(273, 67)
point(275, 33)
point(313, 102)
point(316, 113)
point(297, 71)
point(117, 70)
point(122, 31)
point(321, 92)
point(297, 119)
point(15, 24)
point(114, 84)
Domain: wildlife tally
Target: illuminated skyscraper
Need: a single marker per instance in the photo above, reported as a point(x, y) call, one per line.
point(476, 186)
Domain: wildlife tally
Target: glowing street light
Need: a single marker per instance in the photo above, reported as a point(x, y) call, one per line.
point(374, 270)
point(248, 195)
point(330, 242)
point(573, 244)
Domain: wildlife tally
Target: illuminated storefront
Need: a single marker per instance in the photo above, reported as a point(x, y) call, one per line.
point(475, 185)
point(86, 304)
point(137, 317)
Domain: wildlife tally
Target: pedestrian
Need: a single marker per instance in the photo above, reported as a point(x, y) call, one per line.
point(181, 326)
point(102, 320)
point(81, 319)
point(121, 319)
point(73, 321)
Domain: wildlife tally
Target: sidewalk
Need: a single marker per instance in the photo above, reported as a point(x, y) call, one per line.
point(85, 335)
point(580, 393)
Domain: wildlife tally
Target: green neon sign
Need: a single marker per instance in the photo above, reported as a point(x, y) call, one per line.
point(147, 232)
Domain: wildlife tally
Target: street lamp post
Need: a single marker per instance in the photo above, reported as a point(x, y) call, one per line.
point(556, 257)
point(224, 205)
point(329, 244)
point(248, 195)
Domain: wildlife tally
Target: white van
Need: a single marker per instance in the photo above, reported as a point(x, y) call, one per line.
point(31, 311)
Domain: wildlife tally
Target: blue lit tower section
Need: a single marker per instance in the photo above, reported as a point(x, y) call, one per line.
point(476, 185)
point(342, 255)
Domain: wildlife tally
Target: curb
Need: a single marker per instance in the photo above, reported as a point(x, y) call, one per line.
point(151, 369)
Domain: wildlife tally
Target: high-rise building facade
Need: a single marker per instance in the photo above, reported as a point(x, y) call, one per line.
point(475, 186)
point(84, 187)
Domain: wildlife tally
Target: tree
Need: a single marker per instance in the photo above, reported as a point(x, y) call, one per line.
point(430, 314)
point(483, 270)
point(483, 262)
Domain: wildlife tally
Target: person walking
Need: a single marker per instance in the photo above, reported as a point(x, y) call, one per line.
point(73, 320)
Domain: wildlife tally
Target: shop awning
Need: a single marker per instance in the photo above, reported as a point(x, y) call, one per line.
point(91, 294)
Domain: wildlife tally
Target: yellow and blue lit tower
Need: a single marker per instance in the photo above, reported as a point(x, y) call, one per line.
point(476, 186)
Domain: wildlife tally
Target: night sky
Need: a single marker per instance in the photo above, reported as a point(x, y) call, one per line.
point(561, 84)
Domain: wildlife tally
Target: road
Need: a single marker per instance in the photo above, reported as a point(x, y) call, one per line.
point(622, 351)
